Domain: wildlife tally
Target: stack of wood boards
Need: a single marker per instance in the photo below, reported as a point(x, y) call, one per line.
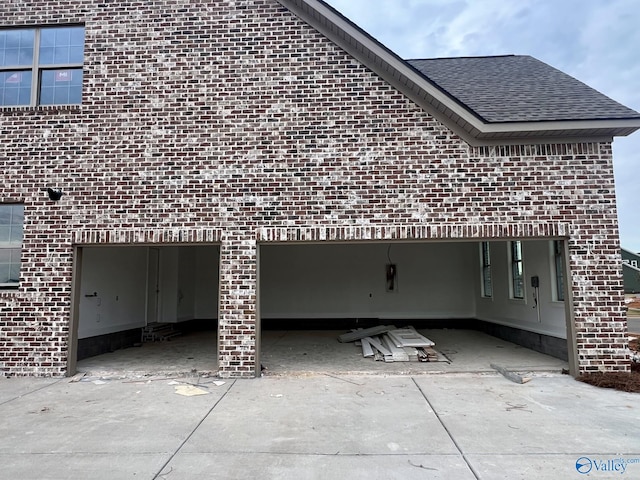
point(390, 344)
point(159, 332)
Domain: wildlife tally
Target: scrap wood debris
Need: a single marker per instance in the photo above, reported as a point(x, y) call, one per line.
point(387, 343)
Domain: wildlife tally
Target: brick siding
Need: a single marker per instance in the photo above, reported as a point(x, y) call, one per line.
point(234, 122)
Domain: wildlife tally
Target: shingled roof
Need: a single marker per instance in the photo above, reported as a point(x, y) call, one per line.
point(485, 100)
point(518, 88)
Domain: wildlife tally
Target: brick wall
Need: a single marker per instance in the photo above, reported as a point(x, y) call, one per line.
point(234, 120)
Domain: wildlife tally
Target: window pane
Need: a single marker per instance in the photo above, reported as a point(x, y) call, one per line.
point(16, 234)
point(14, 273)
point(517, 270)
point(61, 45)
point(17, 214)
point(16, 47)
point(4, 273)
point(61, 87)
point(11, 220)
point(559, 264)
point(486, 271)
point(15, 88)
point(517, 250)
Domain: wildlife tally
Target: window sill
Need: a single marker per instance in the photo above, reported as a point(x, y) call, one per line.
point(39, 108)
point(9, 291)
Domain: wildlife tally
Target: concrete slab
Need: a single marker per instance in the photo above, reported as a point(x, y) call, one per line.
point(317, 352)
point(445, 426)
point(212, 466)
point(113, 417)
point(543, 467)
point(314, 352)
point(323, 416)
point(80, 466)
point(191, 352)
point(16, 387)
point(555, 415)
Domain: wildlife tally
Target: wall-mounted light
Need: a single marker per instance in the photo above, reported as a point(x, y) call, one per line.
point(54, 194)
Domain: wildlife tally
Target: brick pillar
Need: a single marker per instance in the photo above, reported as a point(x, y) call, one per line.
point(598, 296)
point(238, 308)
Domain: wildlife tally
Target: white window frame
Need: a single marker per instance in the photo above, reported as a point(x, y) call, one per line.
point(11, 246)
point(513, 265)
point(485, 270)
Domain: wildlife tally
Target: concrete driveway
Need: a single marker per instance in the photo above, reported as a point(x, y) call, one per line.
point(435, 426)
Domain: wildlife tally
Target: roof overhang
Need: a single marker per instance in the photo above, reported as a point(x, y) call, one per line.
point(438, 103)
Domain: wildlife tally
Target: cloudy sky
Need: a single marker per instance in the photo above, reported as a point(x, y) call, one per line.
point(595, 41)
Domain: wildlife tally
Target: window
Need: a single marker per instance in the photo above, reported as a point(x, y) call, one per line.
point(487, 288)
point(517, 271)
point(11, 220)
point(41, 66)
point(558, 262)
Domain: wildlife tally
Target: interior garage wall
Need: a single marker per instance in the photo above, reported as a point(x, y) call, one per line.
point(435, 280)
point(522, 314)
point(188, 283)
point(113, 290)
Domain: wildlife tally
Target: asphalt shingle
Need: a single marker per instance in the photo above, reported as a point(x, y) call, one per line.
point(519, 88)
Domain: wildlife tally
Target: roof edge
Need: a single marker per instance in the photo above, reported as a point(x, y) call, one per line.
point(440, 104)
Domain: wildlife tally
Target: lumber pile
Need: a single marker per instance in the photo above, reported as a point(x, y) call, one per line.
point(390, 344)
point(159, 332)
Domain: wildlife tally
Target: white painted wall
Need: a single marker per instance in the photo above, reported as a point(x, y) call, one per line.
point(538, 261)
point(188, 284)
point(435, 280)
point(119, 279)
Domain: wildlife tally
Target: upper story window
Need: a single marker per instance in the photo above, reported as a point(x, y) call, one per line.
point(41, 66)
point(11, 221)
point(517, 270)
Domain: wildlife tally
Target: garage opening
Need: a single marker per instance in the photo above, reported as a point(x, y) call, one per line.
point(481, 303)
point(146, 308)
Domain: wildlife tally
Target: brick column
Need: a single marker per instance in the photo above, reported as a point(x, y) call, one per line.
point(238, 309)
point(598, 296)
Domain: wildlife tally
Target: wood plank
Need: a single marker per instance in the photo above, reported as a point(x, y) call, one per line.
point(398, 354)
point(412, 353)
point(378, 346)
point(367, 351)
point(408, 337)
point(367, 332)
point(514, 377)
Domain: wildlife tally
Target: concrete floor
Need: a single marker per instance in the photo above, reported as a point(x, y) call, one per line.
point(371, 427)
point(319, 352)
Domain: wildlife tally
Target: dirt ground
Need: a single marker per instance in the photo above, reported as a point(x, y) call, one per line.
point(627, 382)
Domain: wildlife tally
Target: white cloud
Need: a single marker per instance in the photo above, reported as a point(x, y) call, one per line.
point(597, 42)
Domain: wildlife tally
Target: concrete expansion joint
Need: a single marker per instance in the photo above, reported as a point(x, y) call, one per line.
point(453, 440)
point(161, 472)
point(31, 392)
